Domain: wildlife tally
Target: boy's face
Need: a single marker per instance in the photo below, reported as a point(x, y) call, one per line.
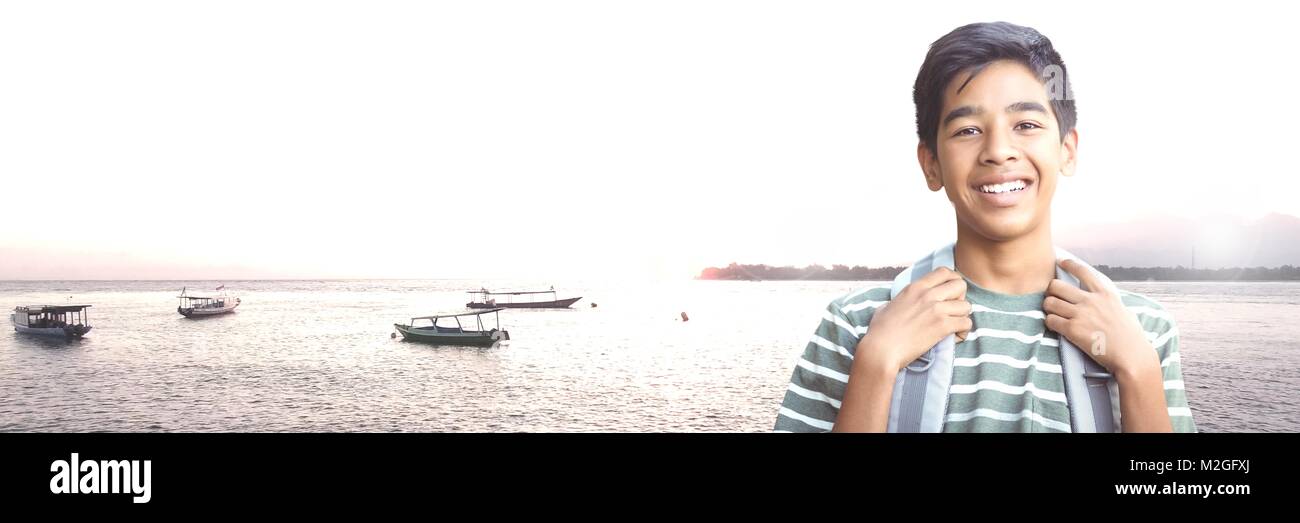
point(999, 151)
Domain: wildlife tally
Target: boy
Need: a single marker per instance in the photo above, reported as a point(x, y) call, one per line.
point(995, 118)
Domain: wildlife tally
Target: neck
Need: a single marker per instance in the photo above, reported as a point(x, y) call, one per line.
point(1021, 265)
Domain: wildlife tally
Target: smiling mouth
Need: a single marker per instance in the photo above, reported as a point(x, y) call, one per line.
point(999, 188)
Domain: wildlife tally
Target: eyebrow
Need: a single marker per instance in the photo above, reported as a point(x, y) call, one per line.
point(1018, 107)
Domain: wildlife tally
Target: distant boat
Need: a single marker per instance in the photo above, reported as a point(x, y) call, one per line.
point(68, 321)
point(483, 299)
point(198, 306)
point(458, 335)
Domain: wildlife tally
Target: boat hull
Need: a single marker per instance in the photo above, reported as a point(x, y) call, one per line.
point(199, 313)
point(556, 304)
point(53, 332)
point(472, 338)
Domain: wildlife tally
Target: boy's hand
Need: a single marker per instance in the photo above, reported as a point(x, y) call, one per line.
point(927, 310)
point(1096, 321)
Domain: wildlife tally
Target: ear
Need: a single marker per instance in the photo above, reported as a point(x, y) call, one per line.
point(1070, 152)
point(929, 167)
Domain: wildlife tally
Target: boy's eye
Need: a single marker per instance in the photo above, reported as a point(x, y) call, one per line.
point(1025, 126)
point(966, 131)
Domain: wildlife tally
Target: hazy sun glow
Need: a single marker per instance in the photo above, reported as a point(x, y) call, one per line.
point(568, 139)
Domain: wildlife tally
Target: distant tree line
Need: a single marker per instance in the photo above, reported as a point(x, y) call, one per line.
point(1180, 273)
point(737, 271)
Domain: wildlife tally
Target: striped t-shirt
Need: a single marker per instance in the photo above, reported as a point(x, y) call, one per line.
point(1006, 375)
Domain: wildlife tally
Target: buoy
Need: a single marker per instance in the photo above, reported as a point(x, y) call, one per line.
point(392, 335)
point(684, 317)
point(593, 304)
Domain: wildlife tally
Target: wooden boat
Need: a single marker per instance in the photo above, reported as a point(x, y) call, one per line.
point(67, 321)
point(483, 299)
point(461, 334)
point(199, 306)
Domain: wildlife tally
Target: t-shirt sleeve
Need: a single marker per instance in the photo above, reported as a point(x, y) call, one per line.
point(1162, 331)
point(812, 399)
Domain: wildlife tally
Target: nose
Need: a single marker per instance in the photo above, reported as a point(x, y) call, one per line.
point(998, 148)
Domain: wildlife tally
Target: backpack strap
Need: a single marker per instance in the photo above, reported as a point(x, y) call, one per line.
point(1090, 392)
point(920, 398)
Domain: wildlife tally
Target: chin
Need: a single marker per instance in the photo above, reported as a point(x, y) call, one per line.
point(1004, 229)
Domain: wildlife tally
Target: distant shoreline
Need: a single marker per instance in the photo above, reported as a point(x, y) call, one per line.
point(760, 272)
point(219, 280)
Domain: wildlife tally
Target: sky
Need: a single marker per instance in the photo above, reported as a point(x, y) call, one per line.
point(327, 139)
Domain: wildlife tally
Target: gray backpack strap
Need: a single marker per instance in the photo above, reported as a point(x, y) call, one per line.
point(920, 399)
point(1087, 384)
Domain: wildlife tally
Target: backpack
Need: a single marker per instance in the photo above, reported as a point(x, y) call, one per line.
point(920, 398)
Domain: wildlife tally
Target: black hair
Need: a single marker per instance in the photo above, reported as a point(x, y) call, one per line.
point(971, 48)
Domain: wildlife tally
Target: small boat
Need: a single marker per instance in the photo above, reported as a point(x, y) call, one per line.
point(67, 321)
point(483, 299)
point(458, 335)
point(198, 306)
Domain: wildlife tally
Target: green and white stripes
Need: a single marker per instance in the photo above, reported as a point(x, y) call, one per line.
point(1006, 377)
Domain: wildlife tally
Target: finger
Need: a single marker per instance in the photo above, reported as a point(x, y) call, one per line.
point(948, 290)
point(964, 334)
point(929, 280)
point(1059, 307)
point(958, 325)
point(936, 277)
point(1054, 323)
point(959, 309)
point(953, 308)
point(1083, 273)
point(1066, 292)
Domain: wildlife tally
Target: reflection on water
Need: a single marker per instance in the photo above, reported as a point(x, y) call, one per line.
point(317, 356)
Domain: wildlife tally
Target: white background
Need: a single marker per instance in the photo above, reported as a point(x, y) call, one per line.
point(598, 139)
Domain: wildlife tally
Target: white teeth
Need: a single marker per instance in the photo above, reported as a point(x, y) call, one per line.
point(1015, 185)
